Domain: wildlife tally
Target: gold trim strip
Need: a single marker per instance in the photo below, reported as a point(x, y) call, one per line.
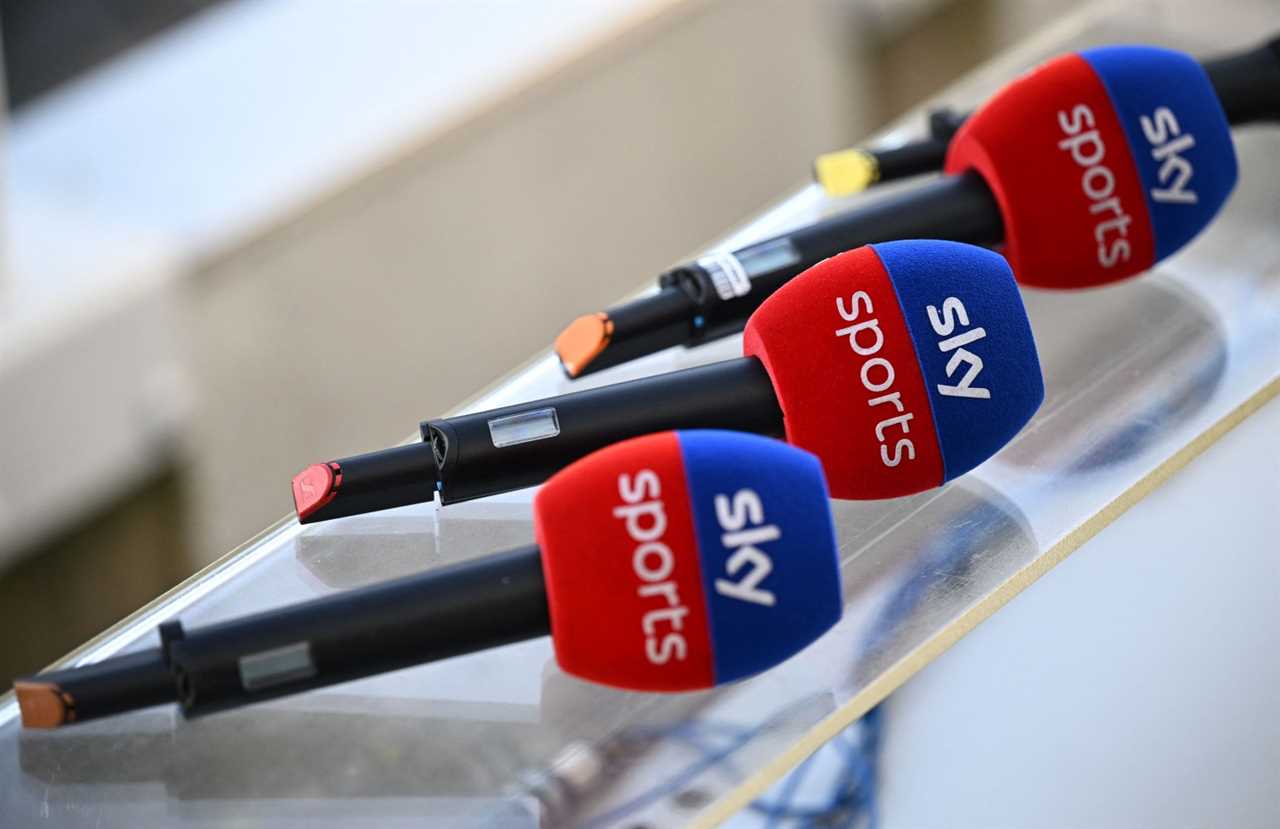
point(862, 702)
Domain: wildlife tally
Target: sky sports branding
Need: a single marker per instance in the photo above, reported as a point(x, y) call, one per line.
point(877, 374)
point(944, 325)
point(973, 346)
point(1167, 145)
point(741, 516)
point(901, 365)
point(1104, 162)
point(653, 563)
point(1177, 135)
point(1172, 125)
point(682, 560)
point(766, 548)
point(1110, 219)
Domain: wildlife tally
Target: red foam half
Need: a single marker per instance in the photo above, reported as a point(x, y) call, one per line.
point(865, 415)
point(620, 559)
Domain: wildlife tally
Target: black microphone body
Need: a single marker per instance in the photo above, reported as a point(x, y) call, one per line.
point(473, 459)
point(693, 304)
point(954, 209)
point(1248, 83)
point(446, 612)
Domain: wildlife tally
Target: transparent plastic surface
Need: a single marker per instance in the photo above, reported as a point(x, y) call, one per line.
point(1139, 377)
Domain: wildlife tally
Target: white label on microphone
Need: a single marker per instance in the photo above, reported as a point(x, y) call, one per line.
point(727, 275)
point(276, 666)
point(524, 427)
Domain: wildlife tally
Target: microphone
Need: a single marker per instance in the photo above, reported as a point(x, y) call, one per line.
point(1246, 84)
point(1000, 190)
point(670, 562)
point(901, 366)
point(845, 172)
point(1134, 146)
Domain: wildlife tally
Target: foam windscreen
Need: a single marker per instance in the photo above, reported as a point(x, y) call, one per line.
point(684, 560)
point(1103, 162)
point(900, 365)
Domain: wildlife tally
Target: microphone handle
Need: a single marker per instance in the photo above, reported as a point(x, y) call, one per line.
point(915, 158)
point(471, 606)
point(688, 309)
point(951, 208)
point(955, 208)
point(1248, 83)
point(118, 683)
point(519, 446)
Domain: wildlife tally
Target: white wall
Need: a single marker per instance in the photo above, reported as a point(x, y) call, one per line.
point(465, 253)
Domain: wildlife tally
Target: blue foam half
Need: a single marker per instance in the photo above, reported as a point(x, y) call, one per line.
point(927, 274)
point(1142, 79)
point(804, 569)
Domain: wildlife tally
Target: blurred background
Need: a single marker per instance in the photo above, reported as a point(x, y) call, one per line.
point(244, 235)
